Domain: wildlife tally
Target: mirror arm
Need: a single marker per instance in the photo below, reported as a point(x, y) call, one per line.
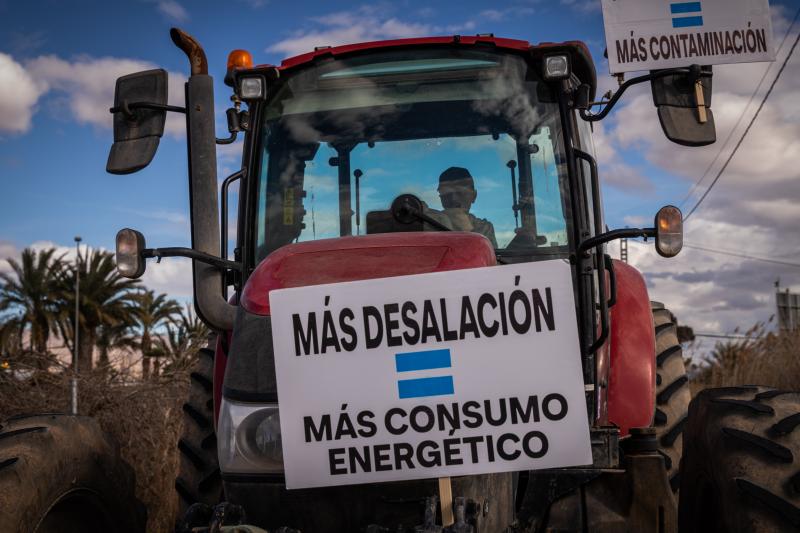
point(228, 140)
point(694, 71)
point(624, 233)
point(128, 109)
point(222, 264)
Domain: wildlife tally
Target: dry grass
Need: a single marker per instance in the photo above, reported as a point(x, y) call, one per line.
point(145, 419)
point(759, 359)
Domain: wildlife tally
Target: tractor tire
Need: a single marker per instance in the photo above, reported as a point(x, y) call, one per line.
point(199, 479)
point(741, 462)
point(672, 392)
point(61, 473)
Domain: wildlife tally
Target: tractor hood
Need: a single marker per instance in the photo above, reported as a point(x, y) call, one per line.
point(364, 257)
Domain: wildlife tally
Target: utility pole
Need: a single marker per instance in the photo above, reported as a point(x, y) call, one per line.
point(75, 348)
point(623, 250)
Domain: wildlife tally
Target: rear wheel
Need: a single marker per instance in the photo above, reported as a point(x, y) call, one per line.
point(741, 462)
point(199, 478)
point(672, 392)
point(62, 474)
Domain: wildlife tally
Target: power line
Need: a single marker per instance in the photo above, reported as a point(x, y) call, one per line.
point(746, 131)
point(743, 256)
point(741, 116)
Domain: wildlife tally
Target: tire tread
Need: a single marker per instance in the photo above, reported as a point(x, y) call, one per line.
point(742, 460)
point(672, 391)
point(199, 479)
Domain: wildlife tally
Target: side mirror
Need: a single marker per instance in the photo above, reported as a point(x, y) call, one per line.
point(130, 244)
point(140, 102)
point(684, 106)
point(669, 231)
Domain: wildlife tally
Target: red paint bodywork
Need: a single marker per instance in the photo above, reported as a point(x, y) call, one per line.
point(466, 40)
point(365, 257)
point(632, 365)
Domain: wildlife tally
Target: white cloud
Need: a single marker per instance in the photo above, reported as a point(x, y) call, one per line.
point(7, 250)
point(751, 210)
point(86, 87)
point(173, 10)
point(615, 171)
point(636, 221)
point(346, 27)
point(173, 276)
point(18, 96)
point(364, 24)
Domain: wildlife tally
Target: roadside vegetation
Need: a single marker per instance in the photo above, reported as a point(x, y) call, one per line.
point(135, 348)
point(761, 357)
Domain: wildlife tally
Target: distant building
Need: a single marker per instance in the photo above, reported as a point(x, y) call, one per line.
point(788, 310)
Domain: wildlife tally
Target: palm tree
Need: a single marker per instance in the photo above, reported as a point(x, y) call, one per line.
point(106, 300)
point(182, 341)
point(10, 340)
point(153, 312)
point(111, 337)
point(28, 296)
point(196, 329)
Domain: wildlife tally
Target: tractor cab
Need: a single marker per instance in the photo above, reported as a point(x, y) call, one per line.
point(473, 133)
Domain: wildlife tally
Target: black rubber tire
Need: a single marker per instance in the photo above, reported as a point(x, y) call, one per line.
point(199, 479)
point(672, 392)
point(61, 473)
point(741, 462)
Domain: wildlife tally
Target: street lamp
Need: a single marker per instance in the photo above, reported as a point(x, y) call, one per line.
point(74, 407)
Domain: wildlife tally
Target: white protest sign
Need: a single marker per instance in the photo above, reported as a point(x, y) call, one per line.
point(658, 34)
point(443, 374)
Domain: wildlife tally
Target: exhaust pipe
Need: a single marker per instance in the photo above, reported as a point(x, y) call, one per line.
point(208, 281)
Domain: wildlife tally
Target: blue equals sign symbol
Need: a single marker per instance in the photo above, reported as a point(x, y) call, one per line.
point(428, 386)
point(682, 8)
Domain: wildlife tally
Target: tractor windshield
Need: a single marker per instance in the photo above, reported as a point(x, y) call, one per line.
point(475, 135)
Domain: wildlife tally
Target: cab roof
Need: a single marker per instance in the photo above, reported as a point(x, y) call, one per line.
point(581, 59)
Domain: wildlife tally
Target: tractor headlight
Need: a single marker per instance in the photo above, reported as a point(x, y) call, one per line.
point(249, 438)
point(556, 67)
point(251, 88)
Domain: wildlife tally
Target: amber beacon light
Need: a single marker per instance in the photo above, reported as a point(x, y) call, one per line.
point(240, 59)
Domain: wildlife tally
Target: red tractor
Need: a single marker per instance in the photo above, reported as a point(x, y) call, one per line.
point(415, 156)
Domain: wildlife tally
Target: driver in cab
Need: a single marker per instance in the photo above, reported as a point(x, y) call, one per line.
point(457, 194)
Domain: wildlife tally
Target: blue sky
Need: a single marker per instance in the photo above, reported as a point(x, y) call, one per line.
point(58, 62)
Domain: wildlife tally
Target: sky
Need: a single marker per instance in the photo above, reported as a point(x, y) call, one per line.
point(59, 61)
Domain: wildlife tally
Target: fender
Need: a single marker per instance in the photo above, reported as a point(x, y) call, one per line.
point(632, 375)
